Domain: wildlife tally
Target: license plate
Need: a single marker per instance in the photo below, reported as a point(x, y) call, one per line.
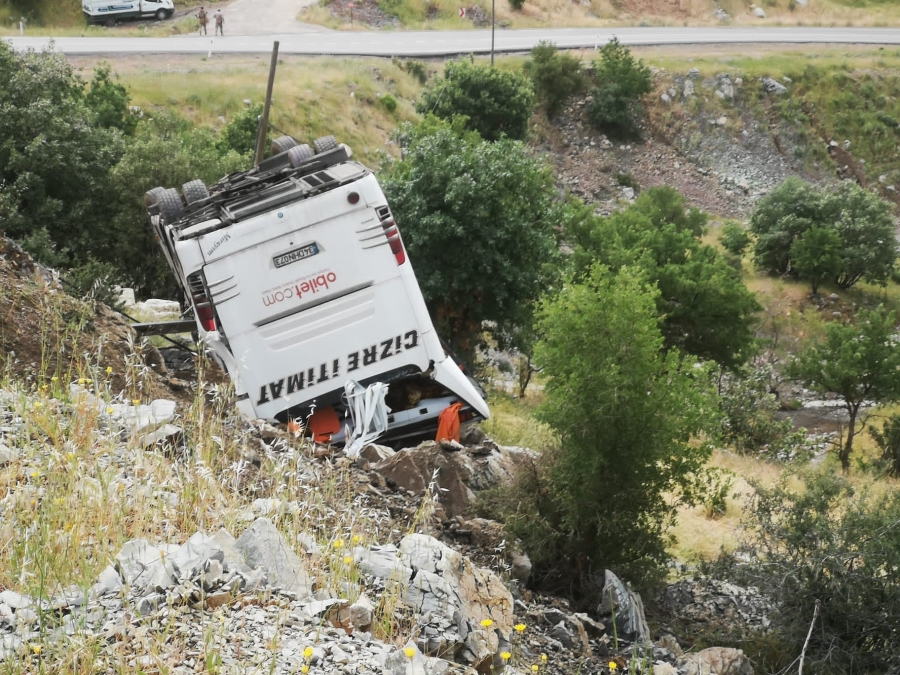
point(296, 255)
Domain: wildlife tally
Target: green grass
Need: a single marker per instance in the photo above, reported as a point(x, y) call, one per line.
point(513, 422)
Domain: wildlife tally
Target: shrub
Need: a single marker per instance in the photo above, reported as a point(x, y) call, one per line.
point(888, 440)
point(734, 238)
point(417, 69)
point(621, 82)
point(556, 77)
point(241, 132)
point(818, 548)
point(389, 103)
point(497, 103)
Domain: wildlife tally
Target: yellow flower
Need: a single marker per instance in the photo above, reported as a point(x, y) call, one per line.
point(54, 378)
point(80, 380)
point(339, 543)
point(612, 666)
point(109, 410)
point(38, 404)
point(506, 656)
point(35, 474)
point(307, 653)
point(487, 623)
point(356, 538)
point(535, 668)
point(109, 370)
point(36, 649)
point(543, 658)
point(410, 652)
point(520, 627)
point(304, 669)
point(347, 560)
point(136, 401)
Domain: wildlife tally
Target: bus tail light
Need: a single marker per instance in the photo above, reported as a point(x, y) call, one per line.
point(203, 305)
point(393, 237)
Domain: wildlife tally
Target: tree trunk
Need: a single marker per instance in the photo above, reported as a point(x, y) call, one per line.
point(848, 445)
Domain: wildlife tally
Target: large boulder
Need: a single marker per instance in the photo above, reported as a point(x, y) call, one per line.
point(458, 471)
point(718, 661)
point(472, 605)
point(263, 546)
point(625, 608)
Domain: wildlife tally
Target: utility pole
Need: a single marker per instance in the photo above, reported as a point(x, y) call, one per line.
point(264, 122)
point(493, 4)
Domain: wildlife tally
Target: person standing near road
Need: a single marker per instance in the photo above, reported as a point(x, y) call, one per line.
point(203, 18)
point(220, 23)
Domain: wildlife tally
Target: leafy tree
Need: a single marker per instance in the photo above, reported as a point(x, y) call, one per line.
point(556, 77)
point(54, 160)
point(888, 440)
point(818, 548)
point(817, 255)
point(862, 221)
point(497, 103)
point(858, 362)
point(621, 81)
point(478, 222)
point(241, 132)
point(166, 152)
point(626, 413)
point(707, 309)
point(109, 102)
point(734, 238)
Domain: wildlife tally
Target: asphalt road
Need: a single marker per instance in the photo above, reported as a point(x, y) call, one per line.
point(441, 43)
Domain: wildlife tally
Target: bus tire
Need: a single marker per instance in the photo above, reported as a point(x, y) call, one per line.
point(194, 191)
point(325, 144)
point(170, 206)
point(299, 154)
point(282, 144)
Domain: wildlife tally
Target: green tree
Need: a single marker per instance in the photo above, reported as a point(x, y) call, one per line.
point(241, 132)
point(626, 413)
point(166, 152)
point(497, 103)
point(734, 238)
point(862, 221)
point(707, 309)
point(478, 221)
point(621, 81)
point(54, 160)
point(109, 102)
point(858, 362)
point(888, 440)
point(817, 255)
point(556, 77)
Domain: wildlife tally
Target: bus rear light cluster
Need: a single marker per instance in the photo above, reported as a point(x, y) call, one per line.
point(393, 237)
point(203, 305)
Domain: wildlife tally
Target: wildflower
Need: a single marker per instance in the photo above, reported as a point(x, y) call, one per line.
point(307, 653)
point(487, 623)
point(339, 543)
point(38, 404)
point(109, 370)
point(70, 456)
point(613, 666)
point(535, 668)
point(506, 656)
point(304, 669)
point(543, 658)
point(35, 474)
point(136, 402)
point(520, 627)
point(80, 380)
point(347, 560)
point(356, 538)
point(54, 379)
point(410, 652)
point(36, 648)
point(109, 410)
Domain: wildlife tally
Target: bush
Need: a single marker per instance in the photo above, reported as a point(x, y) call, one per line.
point(556, 77)
point(621, 82)
point(735, 238)
point(888, 440)
point(816, 542)
point(627, 415)
point(389, 103)
point(497, 103)
point(417, 69)
point(96, 281)
point(240, 134)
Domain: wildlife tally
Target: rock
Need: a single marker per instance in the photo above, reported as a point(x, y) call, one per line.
point(834, 297)
point(8, 455)
point(15, 600)
point(520, 567)
point(728, 90)
point(666, 98)
point(628, 193)
point(688, 89)
point(786, 79)
point(663, 668)
point(628, 608)
point(718, 661)
point(720, 14)
point(669, 642)
point(671, 92)
point(802, 3)
point(362, 612)
point(720, 94)
point(837, 315)
point(693, 73)
point(166, 434)
point(846, 145)
point(263, 546)
point(698, 603)
point(374, 453)
point(773, 86)
point(472, 434)
point(108, 582)
point(565, 635)
point(738, 81)
point(882, 179)
point(759, 12)
point(722, 121)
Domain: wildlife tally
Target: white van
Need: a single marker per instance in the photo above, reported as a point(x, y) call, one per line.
point(299, 282)
point(109, 11)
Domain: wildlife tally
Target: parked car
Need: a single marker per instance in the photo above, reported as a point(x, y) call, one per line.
point(299, 282)
point(109, 11)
